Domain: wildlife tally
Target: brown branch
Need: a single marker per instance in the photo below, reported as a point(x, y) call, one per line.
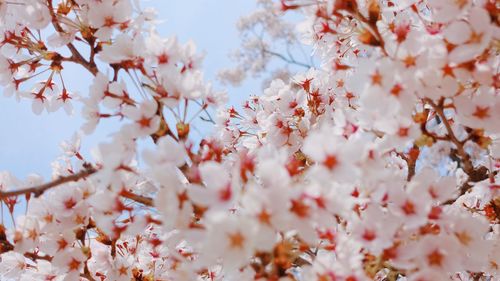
point(474, 174)
point(467, 163)
point(137, 198)
point(410, 164)
point(411, 168)
point(40, 189)
point(495, 204)
point(75, 54)
point(426, 132)
point(86, 272)
point(34, 257)
point(124, 99)
point(463, 189)
point(87, 276)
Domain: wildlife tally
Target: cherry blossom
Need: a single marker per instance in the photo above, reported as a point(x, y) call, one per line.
point(108, 15)
point(146, 121)
point(375, 158)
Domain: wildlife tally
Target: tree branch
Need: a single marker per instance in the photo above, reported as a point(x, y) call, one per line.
point(40, 189)
point(75, 54)
point(35, 257)
point(288, 60)
point(474, 174)
point(467, 163)
point(137, 198)
point(410, 162)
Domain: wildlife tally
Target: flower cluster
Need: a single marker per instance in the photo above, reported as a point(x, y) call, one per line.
point(382, 164)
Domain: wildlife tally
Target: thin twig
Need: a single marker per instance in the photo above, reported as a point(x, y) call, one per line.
point(137, 198)
point(474, 174)
point(467, 163)
point(34, 257)
point(410, 163)
point(40, 189)
point(288, 60)
point(76, 56)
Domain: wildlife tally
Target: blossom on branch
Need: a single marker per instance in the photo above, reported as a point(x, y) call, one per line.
point(379, 163)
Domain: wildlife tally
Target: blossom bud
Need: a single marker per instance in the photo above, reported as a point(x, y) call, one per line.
point(182, 130)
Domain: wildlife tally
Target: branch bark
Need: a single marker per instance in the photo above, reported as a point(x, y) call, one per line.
point(467, 163)
point(40, 189)
point(75, 54)
point(137, 198)
point(474, 174)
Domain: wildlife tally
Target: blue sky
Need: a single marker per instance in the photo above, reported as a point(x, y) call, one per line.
point(29, 143)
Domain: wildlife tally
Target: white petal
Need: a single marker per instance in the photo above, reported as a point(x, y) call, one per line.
point(479, 19)
point(457, 32)
point(214, 175)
